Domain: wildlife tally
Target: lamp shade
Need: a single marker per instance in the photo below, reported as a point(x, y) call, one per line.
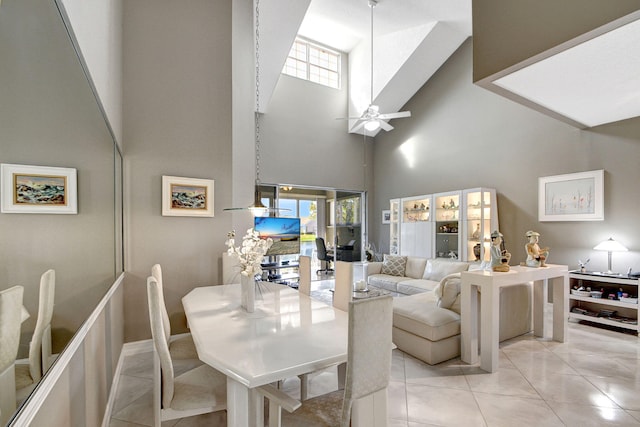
point(610, 245)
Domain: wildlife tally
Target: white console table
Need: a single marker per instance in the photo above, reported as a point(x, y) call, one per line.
point(489, 283)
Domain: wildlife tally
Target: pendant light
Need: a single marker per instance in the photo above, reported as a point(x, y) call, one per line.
point(257, 208)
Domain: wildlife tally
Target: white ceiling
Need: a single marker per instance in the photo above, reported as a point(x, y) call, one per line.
point(587, 82)
point(343, 24)
point(412, 39)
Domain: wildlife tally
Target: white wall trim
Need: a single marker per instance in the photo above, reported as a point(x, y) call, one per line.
point(137, 347)
point(29, 410)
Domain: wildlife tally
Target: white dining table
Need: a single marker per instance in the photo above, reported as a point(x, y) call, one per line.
point(288, 334)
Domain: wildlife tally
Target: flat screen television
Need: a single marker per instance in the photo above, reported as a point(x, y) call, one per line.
point(285, 233)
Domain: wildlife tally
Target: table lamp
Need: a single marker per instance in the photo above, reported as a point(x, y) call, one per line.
point(610, 245)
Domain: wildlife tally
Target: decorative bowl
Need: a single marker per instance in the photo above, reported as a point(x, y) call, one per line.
point(580, 293)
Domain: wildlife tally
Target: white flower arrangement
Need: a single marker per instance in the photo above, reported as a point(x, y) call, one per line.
point(250, 253)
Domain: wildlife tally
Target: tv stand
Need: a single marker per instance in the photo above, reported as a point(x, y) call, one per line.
point(283, 272)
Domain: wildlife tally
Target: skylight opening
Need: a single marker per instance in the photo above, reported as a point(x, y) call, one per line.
point(314, 63)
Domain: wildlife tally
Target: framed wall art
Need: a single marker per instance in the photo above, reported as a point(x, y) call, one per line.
point(38, 189)
point(571, 197)
point(187, 196)
point(386, 216)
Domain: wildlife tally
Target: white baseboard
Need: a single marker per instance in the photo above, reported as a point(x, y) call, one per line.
point(128, 349)
point(137, 347)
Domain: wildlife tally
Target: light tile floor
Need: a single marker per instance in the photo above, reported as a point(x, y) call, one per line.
point(593, 379)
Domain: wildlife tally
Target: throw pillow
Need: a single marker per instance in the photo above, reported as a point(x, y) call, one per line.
point(438, 268)
point(447, 291)
point(393, 265)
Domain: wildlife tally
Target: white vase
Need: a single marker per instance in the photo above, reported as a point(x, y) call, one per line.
point(248, 293)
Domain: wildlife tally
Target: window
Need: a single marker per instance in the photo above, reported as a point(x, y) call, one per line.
point(348, 211)
point(314, 63)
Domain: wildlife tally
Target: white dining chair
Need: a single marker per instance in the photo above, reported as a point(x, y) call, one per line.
point(304, 271)
point(343, 288)
point(368, 370)
point(230, 269)
point(10, 320)
point(29, 371)
point(342, 292)
point(342, 295)
point(198, 391)
point(181, 346)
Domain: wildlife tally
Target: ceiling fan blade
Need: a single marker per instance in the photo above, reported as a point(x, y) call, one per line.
point(398, 115)
point(345, 118)
point(386, 126)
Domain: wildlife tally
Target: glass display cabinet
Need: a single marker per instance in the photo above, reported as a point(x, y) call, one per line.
point(447, 224)
point(394, 227)
point(456, 225)
point(415, 226)
point(480, 219)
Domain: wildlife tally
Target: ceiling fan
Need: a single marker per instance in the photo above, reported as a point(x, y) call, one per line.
point(372, 119)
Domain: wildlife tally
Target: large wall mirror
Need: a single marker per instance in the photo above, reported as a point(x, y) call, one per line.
point(49, 116)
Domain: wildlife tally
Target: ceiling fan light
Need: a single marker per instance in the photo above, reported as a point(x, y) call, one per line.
point(372, 125)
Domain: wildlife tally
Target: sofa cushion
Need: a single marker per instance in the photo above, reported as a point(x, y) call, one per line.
point(393, 265)
point(416, 286)
point(419, 315)
point(447, 292)
point(385, 281)
point(438, 268)
point(415, 267)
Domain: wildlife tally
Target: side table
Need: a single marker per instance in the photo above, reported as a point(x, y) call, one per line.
point(489, 283)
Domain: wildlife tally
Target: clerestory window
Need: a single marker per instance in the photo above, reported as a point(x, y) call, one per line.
point(311, 62)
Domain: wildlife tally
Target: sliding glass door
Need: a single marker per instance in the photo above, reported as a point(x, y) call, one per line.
point(349, 235)
point(338, 216)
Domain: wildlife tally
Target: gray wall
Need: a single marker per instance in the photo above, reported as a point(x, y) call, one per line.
point(304, 144)
point(177, 121)
point(462, 136)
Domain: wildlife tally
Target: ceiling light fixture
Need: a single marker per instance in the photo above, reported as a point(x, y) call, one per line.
point(372, 119)
point(257, 208)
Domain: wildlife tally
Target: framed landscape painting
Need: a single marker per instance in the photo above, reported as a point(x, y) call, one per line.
point(571, 197)
point(38, 189)
point(187, 196)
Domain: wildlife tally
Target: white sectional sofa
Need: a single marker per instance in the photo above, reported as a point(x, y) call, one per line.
point(426, 315)
point(420, 274)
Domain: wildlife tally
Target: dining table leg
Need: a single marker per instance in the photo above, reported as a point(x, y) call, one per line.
point(244, 405)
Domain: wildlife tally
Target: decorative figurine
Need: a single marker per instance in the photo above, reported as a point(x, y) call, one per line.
point(583, 265)
point(476, 251)
point(536, 256)
point(476, 234)
point(499, 255)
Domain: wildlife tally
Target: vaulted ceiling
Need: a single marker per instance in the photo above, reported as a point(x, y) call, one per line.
point(586, 78)
point(412, 39)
